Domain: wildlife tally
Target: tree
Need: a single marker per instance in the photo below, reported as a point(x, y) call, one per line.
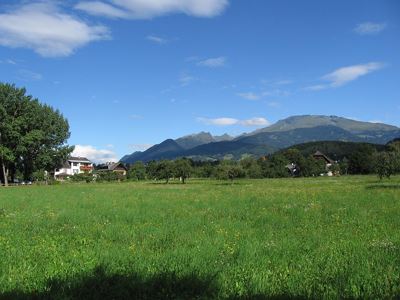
point(165, 170)
point(344, 166)
point(361, 161)
point(33, 134)
point(251, 167)
point(312, 167)
point(229, 170)
point(274, 166)
point(182, 168)
point(137, 171)
point(386, 164)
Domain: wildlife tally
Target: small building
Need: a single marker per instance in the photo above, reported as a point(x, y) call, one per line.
point(73, 165)
point(319, 155)
point(328, 161)
point(292, 168)
point(118, 168)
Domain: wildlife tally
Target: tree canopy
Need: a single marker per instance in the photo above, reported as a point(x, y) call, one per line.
point(33, 135)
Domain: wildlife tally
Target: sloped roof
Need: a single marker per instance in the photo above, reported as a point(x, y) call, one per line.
point(79, 159)
point(320, 154)
point(111, 166)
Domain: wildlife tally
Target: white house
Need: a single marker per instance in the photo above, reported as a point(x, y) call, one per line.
point(74, 165)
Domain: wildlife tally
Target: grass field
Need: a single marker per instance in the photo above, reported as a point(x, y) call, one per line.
point(304, 238)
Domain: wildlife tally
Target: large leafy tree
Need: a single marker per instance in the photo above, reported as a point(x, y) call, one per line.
point(182, 169)
point(32, 135)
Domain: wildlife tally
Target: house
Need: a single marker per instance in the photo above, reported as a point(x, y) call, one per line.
point(328, 161)
point(73, 165)
point(292, 168)
point(319, 155)
point(118, 168)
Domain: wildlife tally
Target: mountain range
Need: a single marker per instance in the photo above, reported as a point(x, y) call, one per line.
point(284, 133)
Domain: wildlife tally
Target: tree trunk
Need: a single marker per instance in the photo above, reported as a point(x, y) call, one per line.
point(5, 173)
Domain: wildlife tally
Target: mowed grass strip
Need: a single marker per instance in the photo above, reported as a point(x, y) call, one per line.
point(311, 238)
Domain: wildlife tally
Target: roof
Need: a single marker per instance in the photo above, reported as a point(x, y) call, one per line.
point(79, 159)
point(320, 154)
point(111, 166)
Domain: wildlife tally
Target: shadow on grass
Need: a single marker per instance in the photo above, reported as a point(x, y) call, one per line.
point(383, 187)
point(101, 285)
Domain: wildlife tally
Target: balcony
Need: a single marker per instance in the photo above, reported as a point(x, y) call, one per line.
point(86, 168)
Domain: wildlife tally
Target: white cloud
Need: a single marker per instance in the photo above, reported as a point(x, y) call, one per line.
point(44, 28)
point(98, 8)
point(250, 96)
point(219, 121)
point(369, 28)
point(376, 121)
point(345, 75)
point(95, 155)
point(156, 39)
point(257, 121)
point(213, 62)
point(147, 9)
point(140, 147)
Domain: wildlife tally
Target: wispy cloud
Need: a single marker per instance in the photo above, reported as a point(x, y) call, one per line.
point(345, 75)
point(224, 121)
point(94, 154)
point(156, 39)
point(185, 79)
point(213, 62)
point(27, 75)
point(44, 28)
point(255, 122)
point(274, 104)
point(250, 96)
point(135, 117)
point(140, 147)
point(369, 28)
point(270, 93)
point(99, 8)
point(147, 9)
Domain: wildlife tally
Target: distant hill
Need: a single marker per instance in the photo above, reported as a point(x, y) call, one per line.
point(336, 150)
point(285, 133)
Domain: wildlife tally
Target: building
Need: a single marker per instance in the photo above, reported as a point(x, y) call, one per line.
point(319, 155)
point(118, 168)
point(328, 161)
point(74, 165)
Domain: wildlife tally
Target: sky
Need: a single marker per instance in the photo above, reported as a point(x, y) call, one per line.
point(128, 74)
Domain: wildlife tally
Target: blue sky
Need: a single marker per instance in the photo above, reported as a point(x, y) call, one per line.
point(130, 73)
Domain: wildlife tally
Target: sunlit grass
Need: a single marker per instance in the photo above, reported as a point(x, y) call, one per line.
point(316, 237)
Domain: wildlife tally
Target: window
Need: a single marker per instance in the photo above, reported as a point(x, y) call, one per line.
point(75, 164)
point(76, 171)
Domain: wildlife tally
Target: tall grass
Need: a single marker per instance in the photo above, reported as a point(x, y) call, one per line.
point(311, 238)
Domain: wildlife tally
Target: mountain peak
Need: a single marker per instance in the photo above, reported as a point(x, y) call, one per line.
point(308, 121)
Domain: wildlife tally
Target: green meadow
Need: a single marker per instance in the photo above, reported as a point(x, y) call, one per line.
point(250, 239)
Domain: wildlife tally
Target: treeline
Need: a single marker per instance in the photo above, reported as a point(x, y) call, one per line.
point(363, 159)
